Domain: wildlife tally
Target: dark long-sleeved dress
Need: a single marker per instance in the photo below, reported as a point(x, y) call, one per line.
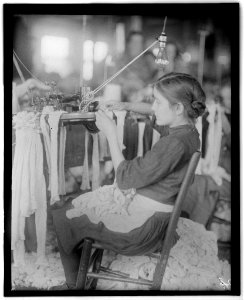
point(157, 175)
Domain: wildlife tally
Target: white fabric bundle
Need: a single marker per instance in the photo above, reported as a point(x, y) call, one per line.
point(28, 185)
point(120, 211)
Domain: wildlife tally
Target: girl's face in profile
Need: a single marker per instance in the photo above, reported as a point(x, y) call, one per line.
point(164, 112)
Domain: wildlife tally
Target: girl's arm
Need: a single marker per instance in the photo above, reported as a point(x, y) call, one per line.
point(142, 107)
point(108, 127)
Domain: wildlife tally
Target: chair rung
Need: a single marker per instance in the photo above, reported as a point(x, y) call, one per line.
point(224, 199)
point(94, 257)
point(224, 244)
point(220, 221)
point(129, 280)
point(118, 273)
point(154, 255)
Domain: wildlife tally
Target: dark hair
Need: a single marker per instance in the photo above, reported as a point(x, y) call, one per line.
point(181, 87)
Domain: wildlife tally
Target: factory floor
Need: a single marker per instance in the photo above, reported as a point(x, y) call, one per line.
point(52, 274)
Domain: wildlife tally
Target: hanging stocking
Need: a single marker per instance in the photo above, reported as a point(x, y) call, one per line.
point(85, 175)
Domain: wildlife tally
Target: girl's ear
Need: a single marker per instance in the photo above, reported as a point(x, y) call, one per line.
point(179, 109)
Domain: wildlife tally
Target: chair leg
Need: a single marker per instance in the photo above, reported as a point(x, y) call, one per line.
point(159, 272)
point(84, 264)
point(215, 195)
point(96, 268)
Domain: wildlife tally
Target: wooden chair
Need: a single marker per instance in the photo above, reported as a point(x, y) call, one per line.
point(88, 280)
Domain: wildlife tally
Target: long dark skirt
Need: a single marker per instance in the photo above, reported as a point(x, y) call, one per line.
point(139, 241)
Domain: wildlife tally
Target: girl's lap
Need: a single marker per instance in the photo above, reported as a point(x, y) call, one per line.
point(141, 240)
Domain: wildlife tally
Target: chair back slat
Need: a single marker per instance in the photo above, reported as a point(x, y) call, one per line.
point(167, 244)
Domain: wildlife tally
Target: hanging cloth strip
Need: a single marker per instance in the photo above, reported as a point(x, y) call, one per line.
point(218, 137)
point(147, 137)
point(141, 126)
point(214, 137)
point(61, 157)
point(28, 185)
point(120, 127)
point(103, 146)
point(16, 106)
point(210, 137)
point(47, 139)
point(130, 138)
point(85, 185)
point(53, 121)
point(95, 163)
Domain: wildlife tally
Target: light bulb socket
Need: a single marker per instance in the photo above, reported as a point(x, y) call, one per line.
point(162, 44)
point(162, 38)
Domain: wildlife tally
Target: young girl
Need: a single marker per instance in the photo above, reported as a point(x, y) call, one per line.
point(132, 216)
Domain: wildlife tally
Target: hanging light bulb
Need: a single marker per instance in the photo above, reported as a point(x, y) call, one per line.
point(162, 58)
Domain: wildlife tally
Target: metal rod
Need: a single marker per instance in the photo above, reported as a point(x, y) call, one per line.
point(18, 69)
point(203, 34)
point(126, 66)
point(165, 20)
point(82, 49)
point(116, 74)
point(26, 67)
point(22, 76)
point(121, 70)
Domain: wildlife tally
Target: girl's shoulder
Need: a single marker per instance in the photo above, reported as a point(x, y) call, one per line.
point(186, 138)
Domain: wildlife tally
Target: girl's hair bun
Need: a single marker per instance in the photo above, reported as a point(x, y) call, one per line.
point(198, 108)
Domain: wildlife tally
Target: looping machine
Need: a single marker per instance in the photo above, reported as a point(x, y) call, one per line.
point(81, 106)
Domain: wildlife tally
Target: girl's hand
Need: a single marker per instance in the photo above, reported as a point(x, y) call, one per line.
point(30, 84)
point(105, 124)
